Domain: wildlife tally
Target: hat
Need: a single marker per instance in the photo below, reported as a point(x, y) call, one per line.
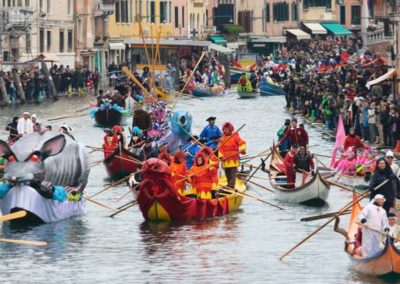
point(211, 118)
point(379, 196)
point(392, 215)
point(26, 113)
point(389, 154)
point(34, 116)
point(107, 130)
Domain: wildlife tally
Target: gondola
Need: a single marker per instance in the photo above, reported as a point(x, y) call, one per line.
point(385, 262)
point(248, 95)
point(159, 203)
point(268, 89)
point(314, 191)
point(205, 92)
point(108, 117)
point(120, 163)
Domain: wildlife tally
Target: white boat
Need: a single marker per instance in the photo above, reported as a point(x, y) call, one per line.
point(23, 197)
point(313, 191)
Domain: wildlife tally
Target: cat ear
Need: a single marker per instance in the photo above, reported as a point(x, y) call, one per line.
point(53, 146)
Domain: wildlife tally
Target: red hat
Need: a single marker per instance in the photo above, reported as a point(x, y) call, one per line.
point(206, 151)
point(229, 126)
point(117, 129)
point(179, 157)
point(165, 156)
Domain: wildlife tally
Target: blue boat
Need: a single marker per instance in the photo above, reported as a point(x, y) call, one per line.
point(268, 89)
point(205, 92)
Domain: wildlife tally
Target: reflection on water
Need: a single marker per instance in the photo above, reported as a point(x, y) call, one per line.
point(241, 248)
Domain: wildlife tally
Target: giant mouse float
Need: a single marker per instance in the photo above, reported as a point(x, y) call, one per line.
point(41, 169)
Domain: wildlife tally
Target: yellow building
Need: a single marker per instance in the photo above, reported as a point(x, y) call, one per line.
point(156, 15)
point(197, 11)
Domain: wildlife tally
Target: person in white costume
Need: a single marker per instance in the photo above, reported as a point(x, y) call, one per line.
point(25, 125)
point(390, 159)
point(375, 217)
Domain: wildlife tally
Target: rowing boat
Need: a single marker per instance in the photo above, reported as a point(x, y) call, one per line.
point(206, 92)
point(120, 163)
point(108, 117)
point(314, 190)
point(268, 89)
point(385, 262)
point(159, 201)
point(248, 95)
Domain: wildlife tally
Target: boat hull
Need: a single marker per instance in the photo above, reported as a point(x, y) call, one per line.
point(186, 209)
point(270, 90)
point(120, 163)
point(252, 95)
point(357, 182)
point(47, 210)
point(205, 93)
point(108, 117)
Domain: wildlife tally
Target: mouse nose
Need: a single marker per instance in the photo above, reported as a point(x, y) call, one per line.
point(14, 178)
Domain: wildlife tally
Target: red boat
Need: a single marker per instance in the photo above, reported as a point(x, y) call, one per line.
point(121, 162)
point(159, 200)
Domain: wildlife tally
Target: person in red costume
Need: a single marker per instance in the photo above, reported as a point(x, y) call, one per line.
point(213, 161)
point(352, 140)
point(298, 135)
point(229, 148)
point(119, 131)
point(201, 176)
point(165, 157)
point(110, 142)
point(290, 163)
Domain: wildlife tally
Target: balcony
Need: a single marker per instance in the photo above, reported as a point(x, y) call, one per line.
point(375, 37)
point(104, 7)
point(18, 20)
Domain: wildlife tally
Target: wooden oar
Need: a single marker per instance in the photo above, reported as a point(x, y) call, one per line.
point(263, 178)
point(110, 186)
point(133, 203)
point(234, 191)
point(67, 116)
point(322, 216)
point(259, 185)
point(99, 203)
point(318, 160)
point(340, 185)
point(13, 216)
point(259, 167)
point(377, 231)
point(340, 212)
point(320, 155)
point(24, 242)
point(262, 154)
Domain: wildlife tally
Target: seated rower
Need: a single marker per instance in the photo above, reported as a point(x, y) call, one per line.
point(148, 150)
point(179, 172)
point(201, 177)
point(137, 140)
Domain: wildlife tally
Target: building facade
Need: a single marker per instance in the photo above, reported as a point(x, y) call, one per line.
point(180, 19)
point(35, 27)
point(198, 18)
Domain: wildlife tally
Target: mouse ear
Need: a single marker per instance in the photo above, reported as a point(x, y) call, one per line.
point(5, 150)
point(53, 146)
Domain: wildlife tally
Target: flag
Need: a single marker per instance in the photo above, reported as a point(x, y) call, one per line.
point(340, 137)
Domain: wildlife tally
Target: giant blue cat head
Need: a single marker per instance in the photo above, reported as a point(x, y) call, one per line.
point(181, 124)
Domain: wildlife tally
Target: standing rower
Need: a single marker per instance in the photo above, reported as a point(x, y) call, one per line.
point(298, 135)
point(290, 163)
point(211, 133)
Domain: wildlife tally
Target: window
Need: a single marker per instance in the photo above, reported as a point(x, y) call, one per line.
point(356, 15)
point(69, 7)
point(48, 41)
point(48, 6)
point(41, 5)
point(343, 15)
point(117, 13)
point(176, 17)
point(153, 11)
point(19, 3)
point(61, 40)
point(295, 14)
point(317, 3)
point(267, 13)
point(281, 12)
point(183, 17)
point(124, 17)
point(163, 12)
point(41, 40)
point(27, 43)
point(27, 3)
point(70, 41)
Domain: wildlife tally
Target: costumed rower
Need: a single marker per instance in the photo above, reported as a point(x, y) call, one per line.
point(290, 163)
point(284, 145)
point(298, 135)
point(110, 142)
point(202, 176)
point(229, 149)
point(25, 125)
point(352, 140)
point(212, 160)
point(304, 160)
point(374, 216)
point(190, 150)
point(12, 128)
point(179, 172)
point(394, 229)
point(211, 133)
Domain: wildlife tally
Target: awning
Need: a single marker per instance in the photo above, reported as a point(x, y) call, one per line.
point(299, 34)
point(316, 29)
point(217, 39)
point(273, 39)
point(221, 49)
point(170, 42)
point(389, 74)
point(116, 45)
point(336, 29)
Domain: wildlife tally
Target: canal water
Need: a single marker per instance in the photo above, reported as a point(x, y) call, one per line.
point(240, 248)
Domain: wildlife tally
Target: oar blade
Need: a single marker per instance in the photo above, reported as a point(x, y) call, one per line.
point(13, 216)
point(24, 242)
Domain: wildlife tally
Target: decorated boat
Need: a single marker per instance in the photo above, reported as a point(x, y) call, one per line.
point(384, 262)
point(356, 182)
point(108, 117)
point(309, 190)
point(269, 89)
point(159, 200)
point(200, 91)
point(120, 163)
point(39, 170)
point(248, 95)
